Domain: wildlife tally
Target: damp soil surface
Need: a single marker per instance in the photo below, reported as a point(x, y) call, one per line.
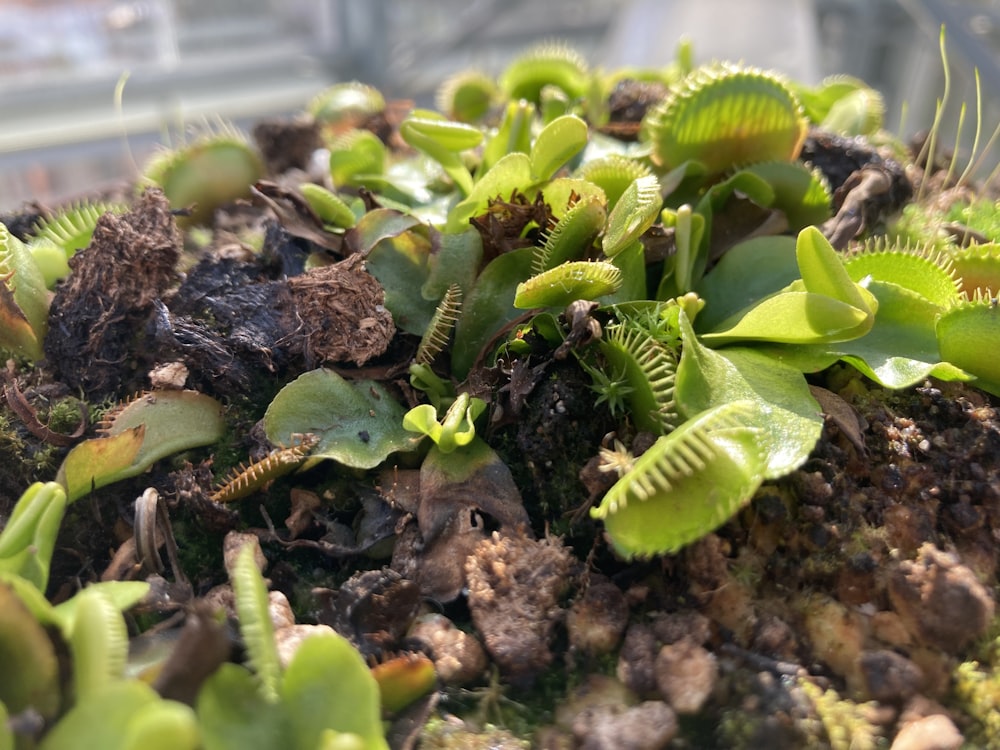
point(832, 611)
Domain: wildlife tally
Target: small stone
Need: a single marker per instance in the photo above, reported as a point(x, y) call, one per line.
point(594, 691)
point(936, 732)
point(671, 627)
point(940, 601)
point(233, 544)
point(458, 656)
point(596, 621)
point(685, 675)
point(774, 637)
point(280, 610)
point(169, 375)
point(290, 638)
point(636, 659)
point(890, 677)
point(515, 587)
point(648, 726)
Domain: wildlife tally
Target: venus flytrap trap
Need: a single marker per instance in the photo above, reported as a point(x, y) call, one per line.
point(24, 299)
point(59, 237)
point(138, 434)
point(210, 170)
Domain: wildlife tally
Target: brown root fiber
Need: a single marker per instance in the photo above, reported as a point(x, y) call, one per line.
point(343, 313)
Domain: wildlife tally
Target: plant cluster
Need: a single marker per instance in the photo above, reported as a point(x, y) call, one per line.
point(511, 229)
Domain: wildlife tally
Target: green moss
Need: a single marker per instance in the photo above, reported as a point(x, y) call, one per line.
point(439, 734)
point(848, 725)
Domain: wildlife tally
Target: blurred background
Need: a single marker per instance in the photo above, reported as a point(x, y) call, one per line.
point(177, 62)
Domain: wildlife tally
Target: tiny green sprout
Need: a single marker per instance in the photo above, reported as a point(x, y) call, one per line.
point(456, 430)
point(613, 389)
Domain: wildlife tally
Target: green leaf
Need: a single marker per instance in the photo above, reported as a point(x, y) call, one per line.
point(355, 158)
point(442, 140)
point(122, 595)
point(114, 720)
point(901, 349)
point(969, 337)
point(400, 263)
point(558, 142)
point(930, 278)
point(635, 212)
point(100, 461)
point(30, 669)
point(513, 135)
point(24, 299)
point(747, 273)
point(823, 271)
point(233, 713)
point(793, 318)
point(163, 725)
point(29, 536)
point(256, 627)
point(328, 686)
point(6, 733)
point(358, 424)
point(572, 236)
point(825, 306)
point(776, 397)
point(687, 264)
point(488, 307)
point(456, 262)
point(632, 263)
point(510, 173)
point(800, 193)
point(564, 193)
